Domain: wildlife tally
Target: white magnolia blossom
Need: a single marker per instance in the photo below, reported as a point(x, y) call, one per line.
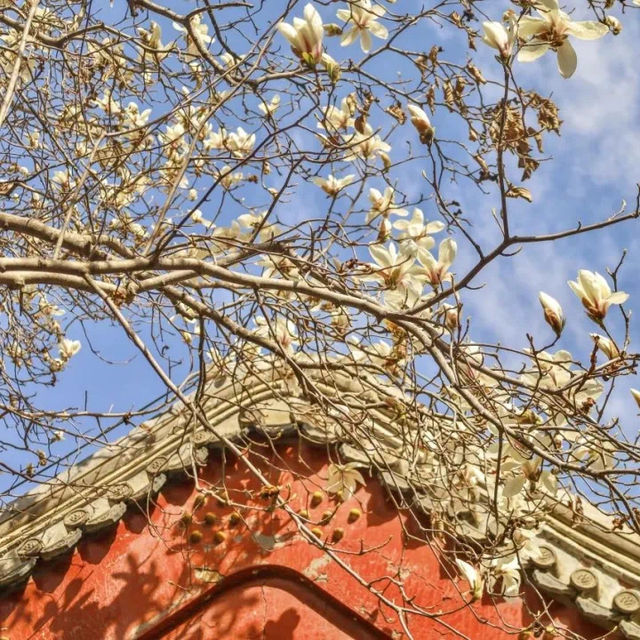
point(214, 139)
point(337, 118)
point(152, 38)
point(634, 392)
point(416, 232)
point(436, 270)
point(197, 217)
point(362, 16)
point(366, 145)
point(240, 143)
point(382, 204)
point(397, 272)
point(133, 117)
point(278, 329)
point(499, 37)
point(228, 177)
point(69, 348)
point(595, 294)
point(200, 31)
point(268, 108)
point(553, 313)
point(473, 577)
point(606, 345)
point(331, 185)
point(420, 120)
point(553, 372)
point(305, 35)
point(344, 479)
point(507, 571)
point(551, 31)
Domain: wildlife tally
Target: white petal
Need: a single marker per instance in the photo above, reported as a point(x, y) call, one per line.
point(513, 486)
point(618, 297)
point(588, 30)
point(447, 252)
point(530, 26)
point(379, 30)
point(289, 33)
point(349, 36)
point(531, 52)
point(495, 35)
point(567, 59)
point(365, 41)
point(381, 255)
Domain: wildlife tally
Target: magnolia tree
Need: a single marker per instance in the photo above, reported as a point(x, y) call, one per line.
point(262, 186)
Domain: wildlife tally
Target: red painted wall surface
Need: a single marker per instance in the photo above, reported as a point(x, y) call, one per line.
point(214, 575)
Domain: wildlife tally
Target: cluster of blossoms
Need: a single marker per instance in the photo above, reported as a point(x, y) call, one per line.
point(549, 31)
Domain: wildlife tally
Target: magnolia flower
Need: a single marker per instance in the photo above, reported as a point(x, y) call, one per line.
point(473, 577)
point(509, 570)
point(366, 145)
point(152, 39)
point(332, 67)
point(396, 271)
point(344, 478)
point(362, 15)
point(240, 143)
point(436, 269)
point(200, 31)
point(198, 218)
point(383, 204)
point(634, 392)
point(134, 117)
point(551, 31)
point(337, 117)
point(228, 178)
point(215, 139)
point(330, 185)
point(421, 122)
point(595, 294)
point(498, 37)
point(280, 329)
point(270, 107)
point(172, 134)
point(107, 104)
point(552, 312)
point(415, 232)
point(305, 36)
point(451, 316)
point(614, 25)
point(69, 348)
point(606, 345)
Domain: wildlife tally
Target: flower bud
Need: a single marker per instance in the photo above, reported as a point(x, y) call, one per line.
point(615, 26)
point(553, 313)
point(421, 122)
point(331, 67)
point(607, 346)
point(332, 29)
point(636, 396)
point(451, 317)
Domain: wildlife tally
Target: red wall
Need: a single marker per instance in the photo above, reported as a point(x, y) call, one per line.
point(154, 577)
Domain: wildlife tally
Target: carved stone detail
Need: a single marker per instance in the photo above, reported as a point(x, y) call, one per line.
point(76, 518)
point(584, 580)
point(626, 602)
point(156, 465)
point(119, 492)
point(30, 548)
point(545, 559)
